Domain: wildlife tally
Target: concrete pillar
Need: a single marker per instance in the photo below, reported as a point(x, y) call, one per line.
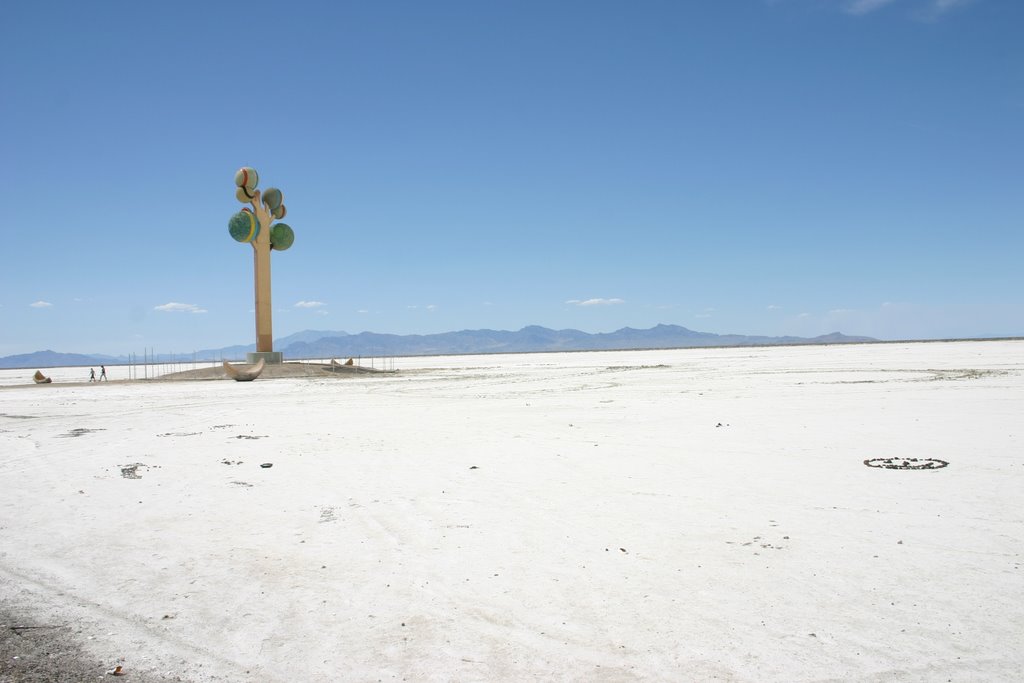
point(261, 273)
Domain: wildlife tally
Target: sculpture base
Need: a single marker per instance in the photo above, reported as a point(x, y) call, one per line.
point(269, 357)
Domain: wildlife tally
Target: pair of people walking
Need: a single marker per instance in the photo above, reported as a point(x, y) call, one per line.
point(103, 374)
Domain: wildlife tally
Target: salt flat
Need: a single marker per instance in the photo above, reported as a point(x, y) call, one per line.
point(611, 516)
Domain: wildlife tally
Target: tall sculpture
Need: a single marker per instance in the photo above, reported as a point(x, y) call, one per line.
point(254, 225)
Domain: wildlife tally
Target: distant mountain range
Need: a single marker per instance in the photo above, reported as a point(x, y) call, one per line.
point(52, 359)
point(337, 344)
point(532, 339)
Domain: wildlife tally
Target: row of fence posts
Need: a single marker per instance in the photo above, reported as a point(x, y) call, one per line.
point(386, 363)
point(151, 367)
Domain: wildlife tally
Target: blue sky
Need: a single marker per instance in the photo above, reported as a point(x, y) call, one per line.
point(754, 166)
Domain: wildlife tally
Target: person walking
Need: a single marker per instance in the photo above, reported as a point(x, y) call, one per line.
point(92, 374)
point(103, 373)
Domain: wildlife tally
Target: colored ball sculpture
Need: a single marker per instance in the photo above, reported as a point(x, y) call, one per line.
point(244, 226)
point(256, 226)
point(248, 178)
point(272, 197)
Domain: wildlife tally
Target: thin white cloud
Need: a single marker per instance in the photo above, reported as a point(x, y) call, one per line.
point(925, 9)
point(936, 9)
point(595, 302)
point(940, 6)
point(175, 307)
point(363, 311)
point(861, 7)
point(322, 313)
point(41, 304)
point(773, 307)
point(431, 307)
point(840, 311)
point(309, 304)
point(804, 315)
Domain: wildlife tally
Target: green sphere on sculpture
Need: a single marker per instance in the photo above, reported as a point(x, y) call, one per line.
point(281, 236)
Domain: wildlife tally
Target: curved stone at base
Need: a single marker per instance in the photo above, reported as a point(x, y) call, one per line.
point(244, 373)
point(40, 378)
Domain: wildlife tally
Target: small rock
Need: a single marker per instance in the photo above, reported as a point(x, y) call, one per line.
point(473, 467)
point(266, 465)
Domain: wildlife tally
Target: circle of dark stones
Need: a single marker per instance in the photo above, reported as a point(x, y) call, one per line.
point(906, 463)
